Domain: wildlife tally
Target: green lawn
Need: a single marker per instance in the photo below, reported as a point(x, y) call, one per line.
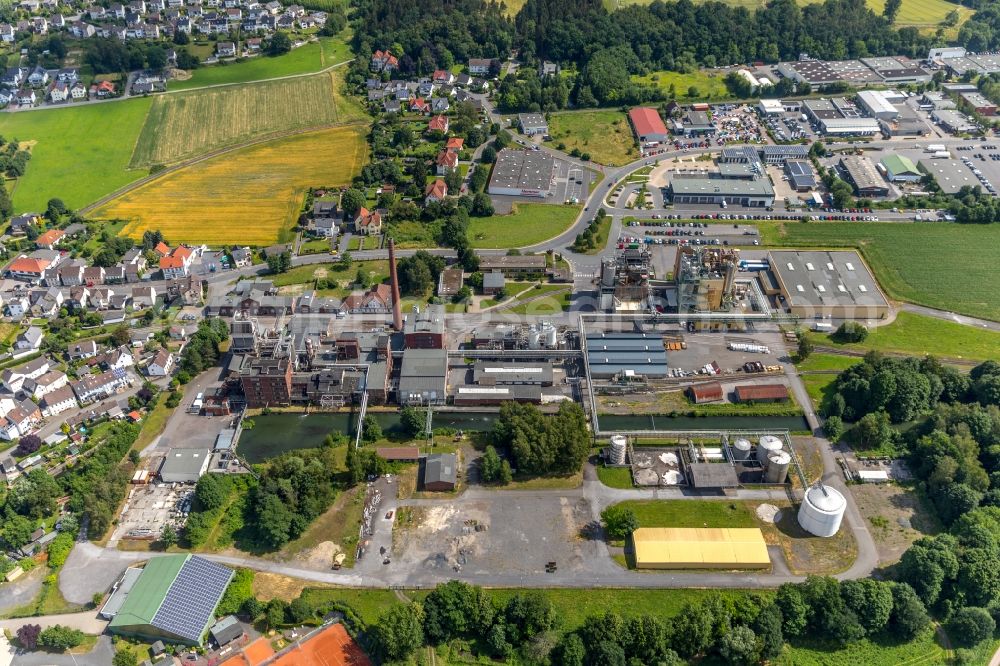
point(548, 299)
point(312, 57)
point(604, 134)
point(615, 477)
point(709, 86)
point(377, 270)
point(528, 224)
point(920, 336)
point(601, 236)
point(940, 265)
point(880, 651)
point(73, 155)
point(685, 513)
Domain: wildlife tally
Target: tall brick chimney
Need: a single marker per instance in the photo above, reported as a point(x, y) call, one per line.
point(397, 313)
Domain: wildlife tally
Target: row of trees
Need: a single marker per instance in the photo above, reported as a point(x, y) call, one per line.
point(739, 629)
point(202, 350)
point(540, 444)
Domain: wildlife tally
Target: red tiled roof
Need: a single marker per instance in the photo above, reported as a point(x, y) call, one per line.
point(454, 143)
point(437, 189)
point(709, 390)
point(28, 265)
point(50, 237)
point(447, 158)
point(171, 262)
point(438, 124)
point(646, 121)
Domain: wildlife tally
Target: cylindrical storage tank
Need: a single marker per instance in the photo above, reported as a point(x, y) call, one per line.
point(551, 336)
point(767, 445)
point(618, 446)
point(534, 338)
point(741, 449)
point(777, 467)
point(822, 510)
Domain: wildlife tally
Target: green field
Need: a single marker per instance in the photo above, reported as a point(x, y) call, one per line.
point(945, 266)
point(186, 125)
point(817, 384)
point(78, 153)
point(615, 477)
point(710, 85)
point(312, 57)
point(605, 135)
point(528, 224)
point(684, 513)
point(880, 651)
point(918, 335)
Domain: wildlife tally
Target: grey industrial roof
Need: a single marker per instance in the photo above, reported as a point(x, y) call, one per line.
point(507, 392)
point(522, 169)
point(713, 475)
point(117, 598)
point(826, 278)
point(440, 467)
point(224, 440)
point(493, 280)
point(609, 368)
point(863, 172)
point(822, 108)
point(815, 71)
point(531, 120)
point(695, 185)
point(226, 630)
point(950, 175)
point(512, 372)
point(184, 462)
point(801, 174)
point(736, 170)
point(423, 371)
point(614, 342)
point(786, 150)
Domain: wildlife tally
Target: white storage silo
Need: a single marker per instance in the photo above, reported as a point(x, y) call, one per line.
point(534, 337)
point(550, 335)
point(777, 467)
point(822, 510)
point(617, 451)
point(767, 445)
point(741, 449)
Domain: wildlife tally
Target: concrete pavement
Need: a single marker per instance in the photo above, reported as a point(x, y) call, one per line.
point(87, 621)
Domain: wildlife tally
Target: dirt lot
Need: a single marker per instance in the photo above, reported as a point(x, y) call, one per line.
point(895, 516)
point(518, 535)
point(151, 507)
point(808, 554)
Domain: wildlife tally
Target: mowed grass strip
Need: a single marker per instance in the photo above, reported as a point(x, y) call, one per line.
point(710, 86)
point(186, 125)
point(605, 135)
point(249, 196)
point(527, 224)
point(941, 265)
point(78, 153)
point(686, 513)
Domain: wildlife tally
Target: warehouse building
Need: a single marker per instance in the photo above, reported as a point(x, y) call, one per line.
point(648, 126)
point(864, 176)
point(476, 396)
point(522, 173)
point(184, 465)
point(877, 105)
point(900, 169)
point(715, 189)
point(950, 175)
point(897, 69)
point(532, 124)
point(953, 121)
point(770, 107)
point(800, 175)
point(702, 393)
point(827, 284)
point(700, 548)
point(173, 600)
point(423, 377)
point(758, 393)
point(626, 354)
point(494, 373)
point(979, 103)
point(440, 472)
point(813, 72)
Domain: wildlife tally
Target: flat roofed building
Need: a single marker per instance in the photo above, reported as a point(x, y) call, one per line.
point(850, 126)
point(979, 103)
point(898, 69)
point(648, 125)
point(532, 123)
point(780, 154)
point(512, 264)
point(700, 548)
point(423, 377)
point(522, 173)
point(398, 453)
point(953, 121)
point(697, 189)
point(877, 104)
point(495, 395)
point(184, 465)
point(770, 107)
point(610, 354)
point(120, 592)
point(900, 169)
point(829, 284)
point(493, 373)
point(814, 72)
point(820, 109)
point(950, 175)
point(864, 176)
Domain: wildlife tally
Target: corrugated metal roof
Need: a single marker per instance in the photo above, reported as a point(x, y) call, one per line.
point(700, 548)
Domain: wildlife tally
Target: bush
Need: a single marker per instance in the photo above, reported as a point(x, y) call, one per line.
point(834, 428)
point(58, 637)
point(27, 636)
point(239, 591)
point(28, 445)
point(619, 522)
point(970, 626)
point(851, 331)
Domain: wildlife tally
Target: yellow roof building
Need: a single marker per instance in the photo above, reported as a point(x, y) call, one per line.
point(700, 548)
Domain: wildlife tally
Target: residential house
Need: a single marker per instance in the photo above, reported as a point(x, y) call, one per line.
point(17, 306)
point(325, 227)
point(419, 105)
point(13, 77)
point(100, 298)
point(480, 66)
point(242, 257)
point(443, 76)
point(25, 97)
point(438, 123)
point(19, 223)
point(58, 92)
point(225, 49)
point(47, 383)
point(70, 274)
point(27, 268)
point(368, 223)
point(454, 144)
point(13, 378)
point(50, 239)
point(96, 387)
point(446, 162)
point(38, 77)
point(161, 364)
point(29, 340)
point(20, 421)
point(93, 275)
point(7, 33)
point(183, 291)
point(103, 89)
point(440, 105)
point(435, 191)
point(57, 401)
point(384, 61)
point(114, 274)
point(78, 298)
point(143, 297)
point(79, 351)
point(181, 332)
point(119, 358)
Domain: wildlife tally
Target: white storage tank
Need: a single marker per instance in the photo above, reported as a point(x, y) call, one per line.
point(550, 334)
point(822, 510)
point(767, 445)
point(619, 444)
point(777, 467)
point(741, 449)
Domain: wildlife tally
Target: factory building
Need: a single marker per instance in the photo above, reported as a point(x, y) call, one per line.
point(877, 104)
point(648, 126)
point(864, 176)
point(522, 173)
point(700, 548)
point(950, 175)
point(500, 373)
point(979, 103)
point(800, 175)
point(953, 121)
point(706, 278)
point(900, 169)
point(717, 189)
point(440, 472)
point(478, 396)
point(424, 330)
point(827, 284)
point(626, 355)
point(423, 377)
point(625, 281)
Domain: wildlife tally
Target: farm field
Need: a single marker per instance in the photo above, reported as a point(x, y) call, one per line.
point(710, 85)
point(189, 124)
point(526, 225)
point(312, 57)
point(946, 266)
point(62, 164)
point(920, 336)
point(249, 196)
point(605, 135)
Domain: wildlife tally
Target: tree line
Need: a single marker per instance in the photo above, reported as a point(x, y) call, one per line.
point(542, 444)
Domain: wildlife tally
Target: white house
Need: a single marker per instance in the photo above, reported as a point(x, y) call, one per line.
point(81, 350)
point(47, 383)
point(95, 387)
point(58, 401)
point(14, 378)
point(143, 297)
point(20, 421)
point(30, 340)
point(161, 364)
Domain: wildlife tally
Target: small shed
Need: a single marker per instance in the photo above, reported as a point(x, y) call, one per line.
point(708, 392)
point(226, 630)
point(762, 393)
point(440, 472)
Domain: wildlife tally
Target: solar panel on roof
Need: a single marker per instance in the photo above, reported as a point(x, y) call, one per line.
point(191, 600)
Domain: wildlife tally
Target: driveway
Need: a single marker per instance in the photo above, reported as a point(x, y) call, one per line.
point(88, 622)
point(101, 655)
